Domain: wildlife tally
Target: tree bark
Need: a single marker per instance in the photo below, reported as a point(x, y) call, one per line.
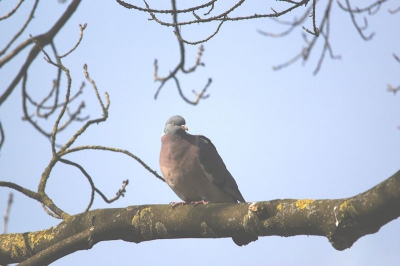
point(342, 221)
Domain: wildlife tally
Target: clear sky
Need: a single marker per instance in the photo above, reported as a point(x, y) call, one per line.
point(285, 134)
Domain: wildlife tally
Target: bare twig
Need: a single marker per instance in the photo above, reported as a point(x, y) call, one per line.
point(201, 41)
point(7, 214)
point(44, 39)
point(30, 16)
point(2, 136)
point(390, 87)
point(188, 10)
point(48, 205)
point(396, 58)
point(87, 177)
point(103, 148)
point(371, 10)
point(313, 15)
point(394, 11)
point(120, 192)
point(12, 11)
point(224, 16)
point(199, 96)
point(49, 212)
point(82, 28)
point(181, 66)
point(323, 30)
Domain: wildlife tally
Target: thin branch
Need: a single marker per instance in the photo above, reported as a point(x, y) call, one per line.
point(313, 15)
point(73, 117)
point(120, 192)
point(181, 65)
point(30, 16)
point(83, 171)
point(147, 9)
point(49, 212)
point(352, 11)
point(369, 9)
point(26, 116)
point(7, 214)
point(82, 28)
point(29, 193)
point(198, 96)
point(396, 58)
point(12, 11)
point(93, 121)
point(304, 54)
point(394, 11)
point(55, 90)
point(289, 62)
point(98, 147)
point(391, 88)
point(44, 39)
point(40, 106)
point(2, 136)
point(201, 41)
point(197, 63)
point(224, 16)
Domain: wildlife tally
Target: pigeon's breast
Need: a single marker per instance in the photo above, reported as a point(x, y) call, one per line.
point(180, 167)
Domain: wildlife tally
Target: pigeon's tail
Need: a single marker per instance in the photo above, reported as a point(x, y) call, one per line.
point(243, 241)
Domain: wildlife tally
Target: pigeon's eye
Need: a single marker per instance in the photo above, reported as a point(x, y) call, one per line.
point(173, 123)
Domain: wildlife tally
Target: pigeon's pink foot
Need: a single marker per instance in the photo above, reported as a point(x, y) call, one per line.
point(174, 204)
point(195, 203)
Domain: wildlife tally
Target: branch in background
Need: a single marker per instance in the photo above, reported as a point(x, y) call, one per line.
point(121, 192)
point(371, 10)
point(48, 205)
point(305, 52)
point(12, 11)
point(30, 16)
point(390, 87)
point(181, 67)
point(45, 111)
point(2, 136)
point(43, 39)
point(394, 11)
point(103, 148)
point(7, 215)
point(324, 30)
point(313, 15)
point(223, 16)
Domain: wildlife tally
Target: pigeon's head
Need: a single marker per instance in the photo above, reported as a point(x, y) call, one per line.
point(175, 125)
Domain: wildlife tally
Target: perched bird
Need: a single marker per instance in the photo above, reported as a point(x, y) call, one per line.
point(194, 170)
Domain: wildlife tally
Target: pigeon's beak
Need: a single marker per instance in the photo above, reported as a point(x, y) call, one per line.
point(185, 127)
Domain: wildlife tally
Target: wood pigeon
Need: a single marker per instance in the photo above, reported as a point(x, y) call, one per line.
point(194, 170)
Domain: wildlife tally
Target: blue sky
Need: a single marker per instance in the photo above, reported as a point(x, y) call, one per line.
point(284, 134)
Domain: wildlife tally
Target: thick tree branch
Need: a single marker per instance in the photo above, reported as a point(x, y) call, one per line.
point(342, 221)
